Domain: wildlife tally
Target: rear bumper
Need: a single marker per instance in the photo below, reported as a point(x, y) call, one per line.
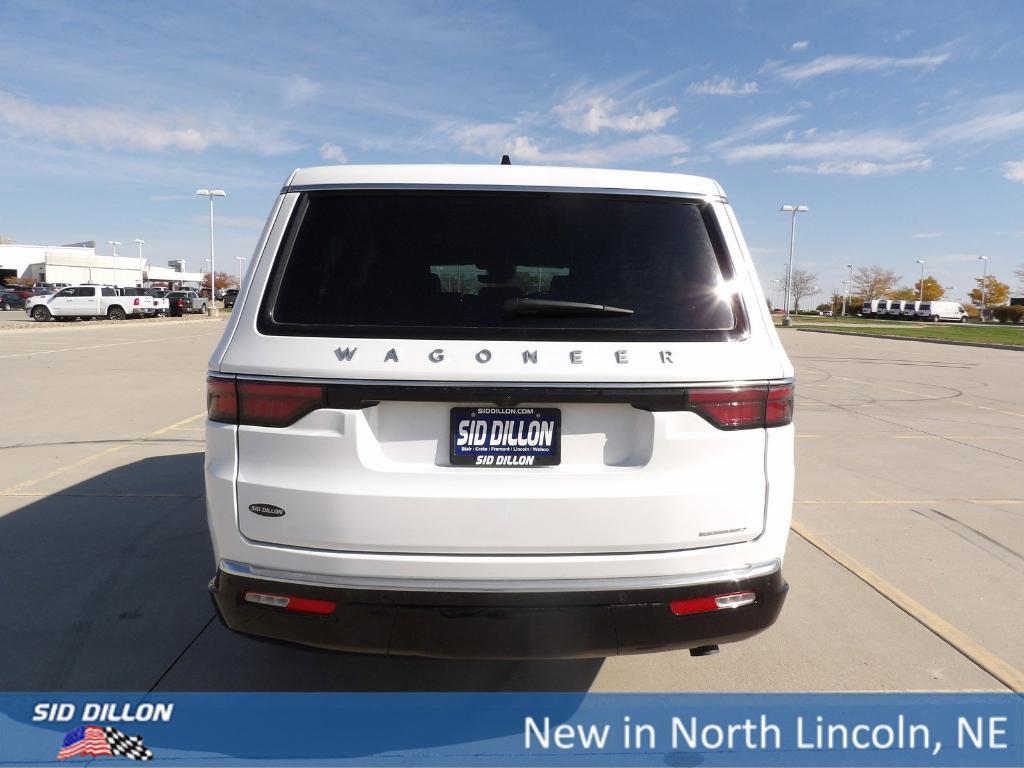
point(500, 625)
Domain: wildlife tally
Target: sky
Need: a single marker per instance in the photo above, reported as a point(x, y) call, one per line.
point(899, 124)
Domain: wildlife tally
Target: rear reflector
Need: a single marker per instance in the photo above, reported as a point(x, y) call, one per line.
point(292, 603)
point(712, 603)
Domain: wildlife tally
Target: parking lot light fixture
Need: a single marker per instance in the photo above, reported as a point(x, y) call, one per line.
point(113, 244)
point(921, 282)
point(794, 210)
point(984, 279)
point(142, 278)
point(212, 193)
point(239, 259)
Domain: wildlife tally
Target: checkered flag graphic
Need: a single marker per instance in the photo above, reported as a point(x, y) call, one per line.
point(123, 745)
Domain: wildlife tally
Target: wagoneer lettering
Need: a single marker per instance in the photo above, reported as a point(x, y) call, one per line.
point(513, 412)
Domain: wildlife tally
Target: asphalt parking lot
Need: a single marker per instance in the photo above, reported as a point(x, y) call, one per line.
point(905, 563)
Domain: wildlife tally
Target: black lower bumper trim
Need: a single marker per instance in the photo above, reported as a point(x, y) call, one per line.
point(500, 625)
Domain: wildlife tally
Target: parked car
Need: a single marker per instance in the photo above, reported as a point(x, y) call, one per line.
point(229, 297)
point(525, 445)
point(22, 291)
point(11, 300)
point(935, 311)
point(200, 303)
point(179, 303)
point(80, 301)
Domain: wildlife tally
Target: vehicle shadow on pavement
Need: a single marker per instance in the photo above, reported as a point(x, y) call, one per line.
point(104, 585)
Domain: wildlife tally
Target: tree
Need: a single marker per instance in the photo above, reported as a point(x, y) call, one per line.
point(224, 280)
point(996, 292)
point(1020, 275)
point(804, 284)
point(874, 282)
point(906, 293)
point(933, 290)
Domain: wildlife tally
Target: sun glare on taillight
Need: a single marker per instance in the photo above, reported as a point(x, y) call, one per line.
point(221, 400)
point(270, 404)
point(744, 407)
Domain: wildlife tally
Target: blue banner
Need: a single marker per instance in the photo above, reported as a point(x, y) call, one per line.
point(514, 729)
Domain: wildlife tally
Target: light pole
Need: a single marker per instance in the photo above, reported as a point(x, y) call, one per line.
point(142, 278)
point(114, 244)
point(212, 193)
point(239, 259)
point(846, 287)
point(774, 285)
point(920, 284)
point(794, 210)
point(984, 280)
point(849, 287)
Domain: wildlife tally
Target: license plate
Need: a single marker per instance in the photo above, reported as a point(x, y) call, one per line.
point(506, 437)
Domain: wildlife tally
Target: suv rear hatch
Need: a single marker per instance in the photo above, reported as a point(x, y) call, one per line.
point(393, 323)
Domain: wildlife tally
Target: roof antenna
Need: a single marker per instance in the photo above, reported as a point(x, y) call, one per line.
point(505, 160)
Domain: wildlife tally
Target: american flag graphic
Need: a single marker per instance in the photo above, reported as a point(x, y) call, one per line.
point(94, 741)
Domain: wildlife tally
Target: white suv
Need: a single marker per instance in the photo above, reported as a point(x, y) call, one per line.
point(500, 411)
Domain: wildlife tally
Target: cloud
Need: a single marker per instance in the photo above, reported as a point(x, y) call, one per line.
point(862, 167)
point(333, 152)
point(723, 86)
point(299, 90)
point(678, 160)
point(876, 145)
point(755, 127)
point(831, 64)
point(594, 112)
point(928, 235)
point(514, 139)
point(120, 129)
point(1014, 170)
point(799, 45)
point(990, 125)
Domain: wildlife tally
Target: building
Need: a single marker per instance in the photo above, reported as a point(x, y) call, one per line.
point(79, 263)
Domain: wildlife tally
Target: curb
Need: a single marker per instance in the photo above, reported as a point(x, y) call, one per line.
point(984, 344)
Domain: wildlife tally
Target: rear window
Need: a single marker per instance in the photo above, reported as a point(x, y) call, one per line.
point(408, 264)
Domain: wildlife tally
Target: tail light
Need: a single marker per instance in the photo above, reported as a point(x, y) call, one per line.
point(221, 400)
point(261, 403)
point(744, 407)
point(136, 302)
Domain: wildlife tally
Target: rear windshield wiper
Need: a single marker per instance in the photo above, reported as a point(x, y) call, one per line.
point(556, 308)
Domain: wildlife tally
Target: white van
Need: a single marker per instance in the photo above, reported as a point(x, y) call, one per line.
point(910, 309)
point(500, 411)
point(869, 308)
point(896, 308)
point(935, 311)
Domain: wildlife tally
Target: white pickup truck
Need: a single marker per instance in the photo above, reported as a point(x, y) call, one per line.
point(88, 301)
point(161, 305)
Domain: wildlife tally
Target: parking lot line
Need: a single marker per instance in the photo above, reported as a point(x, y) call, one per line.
point(10, 490)
point(907, 501)
point(103, 346)
point(1000, 669)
